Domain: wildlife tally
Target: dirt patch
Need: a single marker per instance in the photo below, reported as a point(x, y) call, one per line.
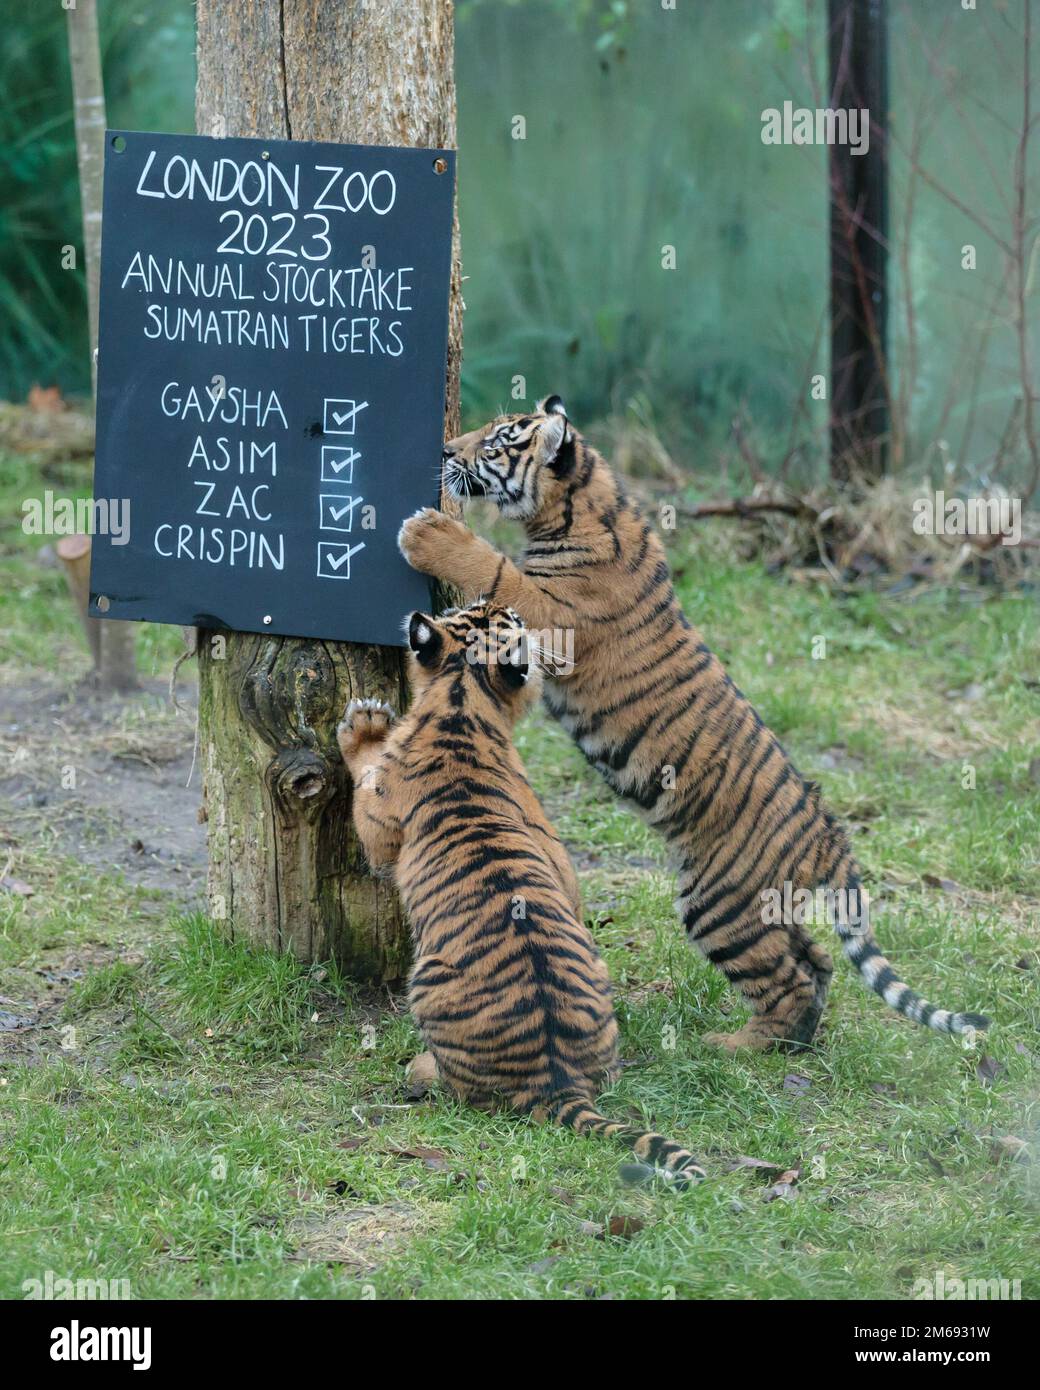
point(362, 1237)
point(107, 781)
point(33, 1021)
point(942, 732)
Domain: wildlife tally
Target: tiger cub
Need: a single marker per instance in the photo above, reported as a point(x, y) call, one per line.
point(653, 710)
point(507, 987)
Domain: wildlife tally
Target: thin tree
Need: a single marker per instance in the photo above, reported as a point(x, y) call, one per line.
point(861, 394)
point(285, 868)
point(111, 643)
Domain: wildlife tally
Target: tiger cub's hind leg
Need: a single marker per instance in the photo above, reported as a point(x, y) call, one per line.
point(782, 973)
point(818, 963)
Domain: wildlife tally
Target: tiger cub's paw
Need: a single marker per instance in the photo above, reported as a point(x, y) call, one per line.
point(365, 721)
point(427, 540)
point(422, 1074)
point(746, 1039)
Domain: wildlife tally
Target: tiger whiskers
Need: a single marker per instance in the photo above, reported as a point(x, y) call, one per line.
point(460, 483)
point(450, 476)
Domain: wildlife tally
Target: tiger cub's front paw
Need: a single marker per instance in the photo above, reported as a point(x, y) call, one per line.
point(429, 540)
point(365, 721)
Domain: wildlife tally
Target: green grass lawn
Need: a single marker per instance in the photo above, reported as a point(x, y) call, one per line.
point(205, 1122)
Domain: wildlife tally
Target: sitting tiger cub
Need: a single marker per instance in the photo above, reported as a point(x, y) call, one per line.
point(654, 711)
point(507, 988)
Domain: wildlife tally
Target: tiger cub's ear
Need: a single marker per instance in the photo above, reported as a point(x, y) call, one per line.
point(556, 437)
point(424, 639)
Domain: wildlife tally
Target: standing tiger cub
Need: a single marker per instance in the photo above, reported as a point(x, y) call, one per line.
point(653, 710)
point(507, 987)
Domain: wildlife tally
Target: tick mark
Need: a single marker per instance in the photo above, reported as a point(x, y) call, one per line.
point(341, 415)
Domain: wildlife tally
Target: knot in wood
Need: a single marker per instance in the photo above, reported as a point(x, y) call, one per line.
point(302, 781)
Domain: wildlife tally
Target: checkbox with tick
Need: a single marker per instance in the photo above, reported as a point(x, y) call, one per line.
point(337, 463)
point(341, 415)
point(337, 513)
point(334, 559)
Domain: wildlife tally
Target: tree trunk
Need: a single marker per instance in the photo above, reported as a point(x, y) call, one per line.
point(860, 380)
point(88, 104)
point(113, 653)
point(286, 870)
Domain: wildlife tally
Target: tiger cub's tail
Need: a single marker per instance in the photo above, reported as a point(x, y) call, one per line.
point(670, 1160)
point(862, 950)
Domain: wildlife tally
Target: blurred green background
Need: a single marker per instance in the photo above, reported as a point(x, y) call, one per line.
point(643, 130)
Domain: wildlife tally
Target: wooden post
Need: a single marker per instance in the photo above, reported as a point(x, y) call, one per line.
point(286, 871)
point(860, 383)
point(74, 554)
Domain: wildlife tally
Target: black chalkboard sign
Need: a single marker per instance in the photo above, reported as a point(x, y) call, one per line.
point(271, 360)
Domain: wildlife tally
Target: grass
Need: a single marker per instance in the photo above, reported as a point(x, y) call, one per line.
point(205, 1121)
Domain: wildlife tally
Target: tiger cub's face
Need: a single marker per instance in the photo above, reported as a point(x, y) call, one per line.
point(483, 648)
point(520, 462)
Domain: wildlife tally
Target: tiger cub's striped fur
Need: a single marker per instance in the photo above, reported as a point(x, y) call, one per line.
point(507, 987)
point(653, 709)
